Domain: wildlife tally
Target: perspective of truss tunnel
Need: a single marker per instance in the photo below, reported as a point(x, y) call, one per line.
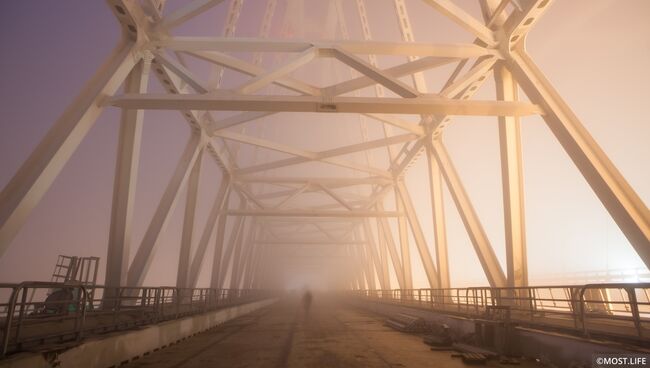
point(286, 198)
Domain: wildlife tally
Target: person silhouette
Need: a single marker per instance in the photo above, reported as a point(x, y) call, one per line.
point(306, 301)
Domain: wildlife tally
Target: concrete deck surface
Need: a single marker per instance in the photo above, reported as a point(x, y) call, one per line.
point(284, 335)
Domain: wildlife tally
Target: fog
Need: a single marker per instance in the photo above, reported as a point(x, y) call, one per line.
point(595, 52)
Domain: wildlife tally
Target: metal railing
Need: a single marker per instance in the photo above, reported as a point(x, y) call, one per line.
point(67, 312)
point(617, 310)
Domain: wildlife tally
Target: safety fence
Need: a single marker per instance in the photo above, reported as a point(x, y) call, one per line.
point(619, 310)
point(37, 313)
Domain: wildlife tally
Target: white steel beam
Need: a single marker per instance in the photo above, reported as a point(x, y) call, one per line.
point(387, 233)
point(406, 30)
point(231, 102)
point(126, 170)
point(173, 84)
point(310, 242)
point(513, 183)
point(251, 69)
point(621, 201)
point(293, 195)
point(366, 262)
point(240, 118)
point(221, 249)
point(240, 44)
point(418, 235)
point(383, 257)
point(312, 213)
point(336, 197)
point(398, 123)
point(181, 71)
point(239, 253)
point(36, 174)
point(140, 265)
point(333, 181)
point(187, 12)
point(482, 246)
point(327, 157)
point(233, 246)
point(398, 71)
point(251, 260)
point(477, 71)
point(371, 249)
point(405, 248)
point(393, 84)
point(220, 204)
point(260, 81)
point(218, 245)
point(328, 154)
point(230, 25)
point(465, 20)
point(187, 235)
point(438, 216)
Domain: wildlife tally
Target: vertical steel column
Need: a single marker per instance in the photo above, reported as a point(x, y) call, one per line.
point(416, 230)
point(512, 182)
point(383, 257)
point(218, 244)
point(241, 255)
point(383, 225)
point(623, 204)
point(475, 230)
point(216, 214)
point(126, 173)
point(438, 216)
point(33, 179)
point(371, 250)
point(407, 274)
point(226, 253)
point(367, 263)
point(182, 276)
point(143, 257)
point(251, 257)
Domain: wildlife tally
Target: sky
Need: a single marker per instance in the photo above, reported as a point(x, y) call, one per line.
point(595, 52)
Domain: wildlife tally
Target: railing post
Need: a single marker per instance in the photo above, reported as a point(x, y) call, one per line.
point(581, 302)
point(635, 310)
point(178, 301)
point(80, 319)
point(10, 316)
point(23, 300)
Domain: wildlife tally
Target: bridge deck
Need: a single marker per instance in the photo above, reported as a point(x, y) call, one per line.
point(331, 335)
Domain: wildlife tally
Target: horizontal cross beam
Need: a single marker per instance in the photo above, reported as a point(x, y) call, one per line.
point(233, 102)
point(312, 213)
point(240, 44)
point(313, 180)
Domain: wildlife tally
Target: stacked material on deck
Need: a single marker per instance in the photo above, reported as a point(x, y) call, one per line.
point(407, 323)
point(472, 354)
point(439, 337)
point(473, 358)
point(466, 348)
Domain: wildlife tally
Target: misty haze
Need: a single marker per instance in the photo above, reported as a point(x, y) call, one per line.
point(324, 183)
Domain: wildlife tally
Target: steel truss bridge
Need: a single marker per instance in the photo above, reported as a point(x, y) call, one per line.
point(273, 212)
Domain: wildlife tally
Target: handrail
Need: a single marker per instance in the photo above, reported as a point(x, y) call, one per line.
point(620, 310)
point(80, 311)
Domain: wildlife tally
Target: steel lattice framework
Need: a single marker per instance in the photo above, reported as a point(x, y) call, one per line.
point(358, 222)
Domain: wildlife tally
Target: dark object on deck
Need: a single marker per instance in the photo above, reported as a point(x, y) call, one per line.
point(407, 323)
point(438, 341)
point(60, 301)
point(509, 361)
point(465, 348)
point(439, 336)
point(306, 301)
point(441, 348)
point(473, 358)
